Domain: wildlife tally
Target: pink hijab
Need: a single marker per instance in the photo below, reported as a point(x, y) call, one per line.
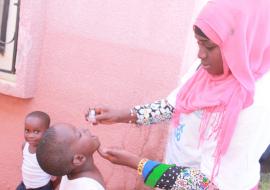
point(241, 28)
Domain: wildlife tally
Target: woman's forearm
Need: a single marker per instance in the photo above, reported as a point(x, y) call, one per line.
point(156, 112)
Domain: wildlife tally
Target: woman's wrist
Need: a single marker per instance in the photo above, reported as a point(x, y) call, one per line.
point(132, 116)
point(141, 165)
point(132, 161)
point(128, 116)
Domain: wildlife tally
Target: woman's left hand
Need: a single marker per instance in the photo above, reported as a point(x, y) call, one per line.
point(120, 156)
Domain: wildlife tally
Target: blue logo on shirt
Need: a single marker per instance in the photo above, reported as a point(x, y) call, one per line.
point(179, 131)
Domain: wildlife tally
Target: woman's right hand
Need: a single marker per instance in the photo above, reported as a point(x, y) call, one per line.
point(110, 116)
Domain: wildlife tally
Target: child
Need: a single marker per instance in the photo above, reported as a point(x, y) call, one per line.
point(33, 177)
point(65, 150)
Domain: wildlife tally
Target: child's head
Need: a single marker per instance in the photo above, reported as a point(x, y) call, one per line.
point(36, 123)
point(65, 148)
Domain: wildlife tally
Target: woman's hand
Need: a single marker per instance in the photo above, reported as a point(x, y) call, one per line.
point(110, 116)
point(120, 156)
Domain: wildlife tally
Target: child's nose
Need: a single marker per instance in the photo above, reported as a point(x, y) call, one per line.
point(31, 135)
point(85, 129)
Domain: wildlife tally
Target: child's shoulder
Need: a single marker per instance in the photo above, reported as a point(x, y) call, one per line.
point(23, 145)
point(81, 183)
point(92, 182)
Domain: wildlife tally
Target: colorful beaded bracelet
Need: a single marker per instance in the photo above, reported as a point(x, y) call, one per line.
point(141, 166)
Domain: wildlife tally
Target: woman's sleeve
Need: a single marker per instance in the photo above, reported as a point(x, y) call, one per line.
point(156, 112)
point(164, 176)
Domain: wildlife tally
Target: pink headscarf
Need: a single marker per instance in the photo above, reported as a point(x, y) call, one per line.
point(241, 28)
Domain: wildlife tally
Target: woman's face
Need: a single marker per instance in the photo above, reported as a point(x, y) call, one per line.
point(210, 55)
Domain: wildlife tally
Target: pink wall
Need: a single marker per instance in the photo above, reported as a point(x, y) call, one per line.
point(117, 53)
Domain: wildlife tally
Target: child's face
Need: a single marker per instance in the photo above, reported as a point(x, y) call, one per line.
point(210, 55)
point(79, 139)
point(33, 130)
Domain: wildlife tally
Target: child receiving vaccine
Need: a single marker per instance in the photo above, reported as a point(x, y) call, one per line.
point(67, 151)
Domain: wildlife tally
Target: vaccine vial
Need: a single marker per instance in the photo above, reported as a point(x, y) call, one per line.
point(91, 116)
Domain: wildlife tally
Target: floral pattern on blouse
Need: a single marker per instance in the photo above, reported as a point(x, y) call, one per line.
point(156, 112)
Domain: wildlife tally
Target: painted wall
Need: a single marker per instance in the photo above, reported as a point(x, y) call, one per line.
point(95, 52)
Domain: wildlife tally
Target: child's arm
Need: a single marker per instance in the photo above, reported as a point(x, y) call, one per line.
point(156, 174)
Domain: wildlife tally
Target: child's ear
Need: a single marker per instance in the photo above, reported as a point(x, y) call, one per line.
point(78, 159)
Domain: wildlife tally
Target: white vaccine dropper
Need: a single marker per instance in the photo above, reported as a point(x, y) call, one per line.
point(91, 116)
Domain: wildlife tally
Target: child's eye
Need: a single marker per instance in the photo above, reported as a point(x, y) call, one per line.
point(36, 132)
point(26, 131)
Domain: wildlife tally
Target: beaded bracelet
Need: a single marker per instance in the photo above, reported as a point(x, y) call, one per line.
point(131, 115)
point(141, 165)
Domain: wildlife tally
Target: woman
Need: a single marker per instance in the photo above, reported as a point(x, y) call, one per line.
point(220, 114)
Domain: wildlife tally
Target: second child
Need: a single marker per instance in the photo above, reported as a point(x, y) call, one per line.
point(33, 177)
